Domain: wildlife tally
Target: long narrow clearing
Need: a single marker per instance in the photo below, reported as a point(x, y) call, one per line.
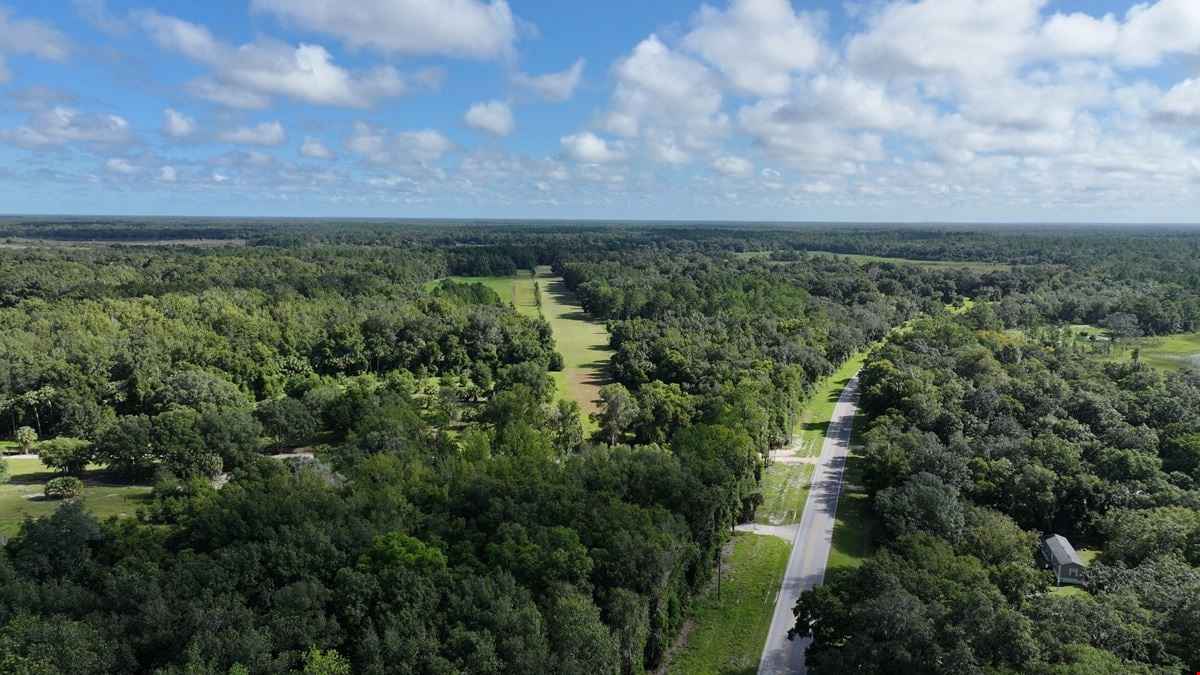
point(581, 339)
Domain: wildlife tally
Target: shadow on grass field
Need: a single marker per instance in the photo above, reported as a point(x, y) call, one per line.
point(582, 341)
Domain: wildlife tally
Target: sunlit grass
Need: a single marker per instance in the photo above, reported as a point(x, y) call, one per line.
point(728, 635)
point(103, 495)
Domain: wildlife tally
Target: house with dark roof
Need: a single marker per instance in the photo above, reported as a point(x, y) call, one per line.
point(1061, 557)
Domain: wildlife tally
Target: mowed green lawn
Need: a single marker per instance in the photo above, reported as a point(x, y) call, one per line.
point(728, 636)
point(785, 490)
point(103, 495)
point(516, 290)
point(581, 339)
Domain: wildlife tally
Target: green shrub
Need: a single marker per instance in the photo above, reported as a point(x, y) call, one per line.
point(64, 487)
point(66, 455)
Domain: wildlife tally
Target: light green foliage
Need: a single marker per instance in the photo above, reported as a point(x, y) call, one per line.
point(922, 504)
point(580, 639)
point(395, 550)
point(63, 487)
point(327, 662)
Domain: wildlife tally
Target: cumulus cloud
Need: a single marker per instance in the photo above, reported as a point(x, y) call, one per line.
point(667, 101)
point(29, 36)
point(61, 126)
point(968, 38)
point(556, 87)
point(403, 150)
point(314, 148)
point(459, 28)
point(1149, 33)
point(493, 117)
point(267, 134)
point(757, 44)
point(1181, 104)
point(588, 148)
point(733, 166)
point(176, 124)
point(250, 75)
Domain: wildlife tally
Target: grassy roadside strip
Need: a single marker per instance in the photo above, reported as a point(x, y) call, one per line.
point(727, 637)
point(785, 482)
point(855, 528)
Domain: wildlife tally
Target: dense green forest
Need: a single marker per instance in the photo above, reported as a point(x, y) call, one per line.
point(979, 439)
point(453, 516)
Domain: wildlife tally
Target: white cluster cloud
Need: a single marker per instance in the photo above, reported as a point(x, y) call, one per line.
point(177, 125)
point(265, 134)
point(29, 36)
point(1036, 104)
point(1149, 33)
point(588, 148)
point(315, 148)
point(250, 75)
point(493, 117)
point(61, 126)
point(460, 28)
point(758, 45)
point(959, 107)
point(556, 87)
point(406, 150)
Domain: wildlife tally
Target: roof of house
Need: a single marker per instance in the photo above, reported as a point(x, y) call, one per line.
point(1061, 550)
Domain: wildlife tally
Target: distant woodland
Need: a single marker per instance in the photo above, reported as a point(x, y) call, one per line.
point(358, 466)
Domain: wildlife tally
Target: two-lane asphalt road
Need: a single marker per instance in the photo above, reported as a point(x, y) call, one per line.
point(814, 537)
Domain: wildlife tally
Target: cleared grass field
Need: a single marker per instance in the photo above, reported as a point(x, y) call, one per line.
point(1169, 352)
point(582, 341)
point(515, 290)
point(727, 637)
point(785, 489)
point(980, 267)
point(102, 495)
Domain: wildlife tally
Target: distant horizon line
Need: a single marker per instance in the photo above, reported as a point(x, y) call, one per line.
point(545, 220)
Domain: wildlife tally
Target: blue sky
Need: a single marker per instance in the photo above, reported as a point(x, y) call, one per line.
point(929, 110)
